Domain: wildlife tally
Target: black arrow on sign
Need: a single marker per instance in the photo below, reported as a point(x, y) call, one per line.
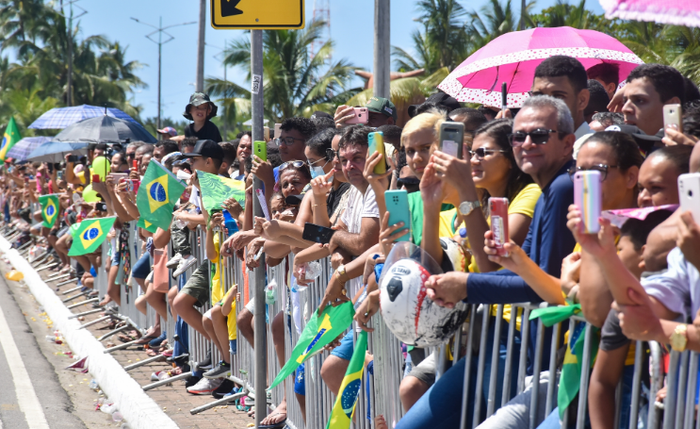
point(228, 8)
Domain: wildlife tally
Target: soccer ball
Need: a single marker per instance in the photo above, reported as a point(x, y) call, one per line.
point(408, 312)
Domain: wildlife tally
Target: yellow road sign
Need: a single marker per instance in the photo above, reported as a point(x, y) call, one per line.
point(257, 14)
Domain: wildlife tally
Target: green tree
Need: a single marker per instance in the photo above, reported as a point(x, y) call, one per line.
point(294, 83)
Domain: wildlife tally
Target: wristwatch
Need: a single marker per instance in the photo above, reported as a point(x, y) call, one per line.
point(466, 207)
point(679, 338)
point(341, 273)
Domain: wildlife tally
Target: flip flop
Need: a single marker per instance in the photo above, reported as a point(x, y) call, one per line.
point(278, 425)
point(145, 340)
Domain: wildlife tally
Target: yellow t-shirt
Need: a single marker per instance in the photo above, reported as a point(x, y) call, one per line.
point(217, 290)
point(231, 321)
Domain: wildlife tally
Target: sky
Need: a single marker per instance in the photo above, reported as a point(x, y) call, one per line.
point(352, 25)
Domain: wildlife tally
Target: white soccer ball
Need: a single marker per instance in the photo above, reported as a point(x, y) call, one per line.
point(408, 312)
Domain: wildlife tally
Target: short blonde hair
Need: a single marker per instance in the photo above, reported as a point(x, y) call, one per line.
point(432, 119)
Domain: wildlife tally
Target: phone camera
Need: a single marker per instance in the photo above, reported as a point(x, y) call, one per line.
point(690, 194)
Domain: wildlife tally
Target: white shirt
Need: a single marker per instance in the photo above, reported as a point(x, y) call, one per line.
point(678, 288)
point(359, 207)
point(582, 134)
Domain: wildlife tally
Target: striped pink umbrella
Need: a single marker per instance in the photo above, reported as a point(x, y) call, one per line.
point(677, 12)
point(513, 57)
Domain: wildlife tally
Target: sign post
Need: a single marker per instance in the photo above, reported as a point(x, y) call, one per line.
point(256, 15)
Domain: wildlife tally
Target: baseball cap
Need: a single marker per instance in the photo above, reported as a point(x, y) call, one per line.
point(644, 141)
point(206, 149)
point(168, 130)
point(318, 115)
point(439, 100)
point(197, 99)
point(383, 106)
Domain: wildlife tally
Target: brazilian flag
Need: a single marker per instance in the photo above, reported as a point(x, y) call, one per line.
point(148, 226)
point(90, 234)
point(49, 209)
point(217, 189)
point(344, 407)
point(158, 193)
point(9, 138)
point(320, 330)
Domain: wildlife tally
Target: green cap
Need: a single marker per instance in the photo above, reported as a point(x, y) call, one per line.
point(383, 106)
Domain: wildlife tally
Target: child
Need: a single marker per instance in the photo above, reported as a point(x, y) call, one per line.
point(200, 110)
point(615, 358)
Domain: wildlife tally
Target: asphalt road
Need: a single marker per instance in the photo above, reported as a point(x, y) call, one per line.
point(31, 395)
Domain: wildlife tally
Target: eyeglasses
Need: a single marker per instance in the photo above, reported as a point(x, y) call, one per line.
point(331, 154)
point(482, 152)
point(538, 136)
point(295, 164)
point(131, 155)
point(287, 141)
point(311, 164)
point(602, 168)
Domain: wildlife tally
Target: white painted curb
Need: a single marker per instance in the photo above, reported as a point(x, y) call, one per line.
point(138, 409)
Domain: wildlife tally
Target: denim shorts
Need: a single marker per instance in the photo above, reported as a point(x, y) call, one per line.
point(116, 258)
point(346, 347)
point(232, 348)
point(142, 267)
point(299, 385)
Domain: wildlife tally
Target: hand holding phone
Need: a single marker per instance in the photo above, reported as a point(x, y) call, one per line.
point(452, 138)
point(260, 150)
point(361, 116)
point(673, 116)
point(317, 233)
point(376, 144)
point(399, 211)
point(588, 199)
point(689, 194)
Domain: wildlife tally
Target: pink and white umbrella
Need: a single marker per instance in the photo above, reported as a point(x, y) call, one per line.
point(513, 57)
point(677, 12)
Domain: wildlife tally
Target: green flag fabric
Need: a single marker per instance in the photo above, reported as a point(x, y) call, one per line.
point(344, 407)
point(217, 189)
point(318, 332)
point(148, 226)
point(158, 193)
point(570, 379)
point(49, 209)
point(9, 139)
point(552, 315)
point(90, 234)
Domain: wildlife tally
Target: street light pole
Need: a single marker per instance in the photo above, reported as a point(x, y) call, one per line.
point(199, 83)
point(69, 78)
point(160, 30)
point(382, 46)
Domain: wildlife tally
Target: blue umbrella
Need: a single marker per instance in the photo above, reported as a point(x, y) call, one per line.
point(54, 151)
point(21, 150)
point(61, 117)
point(105, 129)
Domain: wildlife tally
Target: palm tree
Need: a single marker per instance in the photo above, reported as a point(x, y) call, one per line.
point(495, 19)
point(294, 83)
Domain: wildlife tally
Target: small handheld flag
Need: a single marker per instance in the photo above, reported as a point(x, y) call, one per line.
point(49, 209)
point(9, 139)
point(344, 407)
point(158, 193)
point(90, 234)
point(217, 189)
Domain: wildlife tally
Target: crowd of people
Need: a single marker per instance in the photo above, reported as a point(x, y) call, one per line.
point(634, 281)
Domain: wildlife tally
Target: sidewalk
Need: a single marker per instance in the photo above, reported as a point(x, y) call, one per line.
point(173, 399)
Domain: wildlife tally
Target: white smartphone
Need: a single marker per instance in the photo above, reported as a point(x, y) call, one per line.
point(689, 194)
point(673, 115)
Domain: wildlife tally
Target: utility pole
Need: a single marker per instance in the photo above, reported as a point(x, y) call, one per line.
point(160, 30)
point(523, 10)
point(199, 83)
point(382, 46)
point(69, 79)
point(260, 340)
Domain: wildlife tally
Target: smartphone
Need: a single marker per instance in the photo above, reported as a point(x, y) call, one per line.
point(119, 176)
point(317, 233)
point(96, 178)
point(101, 207)
point(361, 116)
point(260, 149)
point(587, 197)
point(504, 96)
point(72, 158)
point(689, 194)
point(498, 209)
point(376, 144)
point(266, 133)
point(452, 138)
point(277, 131)
point(673, 115)
point(59, 175)
point(135, 165)
point(134, 185)
point(397, 206)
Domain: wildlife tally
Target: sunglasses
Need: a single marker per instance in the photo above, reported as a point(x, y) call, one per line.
point(331, 154)
point(482, 152)
point(602, 168)
point(295, 164)
point(538, 136)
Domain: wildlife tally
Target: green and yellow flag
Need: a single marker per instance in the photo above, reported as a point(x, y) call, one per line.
point(344, 407)
point(9, 139)
point(158, 193)
point(49, 209)
point(90, 234)
point(148, 226)
point(217, 189)
point(318, 332)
